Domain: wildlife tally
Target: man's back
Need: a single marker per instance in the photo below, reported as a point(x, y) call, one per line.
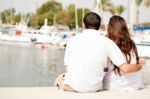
point(86, 56)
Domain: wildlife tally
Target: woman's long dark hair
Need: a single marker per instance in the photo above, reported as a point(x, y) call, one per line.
point(119, 33)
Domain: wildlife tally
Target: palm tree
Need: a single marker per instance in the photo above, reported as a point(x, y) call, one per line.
point(138, 3)
point(113, 10)
point(117, 10)
point(147, 3)
point(103, 5)
point(120, 9)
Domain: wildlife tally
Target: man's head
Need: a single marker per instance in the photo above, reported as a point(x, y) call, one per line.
point(92, 21)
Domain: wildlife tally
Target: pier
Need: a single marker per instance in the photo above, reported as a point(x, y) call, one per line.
point(54, 93)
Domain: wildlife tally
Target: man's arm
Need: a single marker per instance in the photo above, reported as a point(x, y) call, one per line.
point(128, 68)
point(117, 58)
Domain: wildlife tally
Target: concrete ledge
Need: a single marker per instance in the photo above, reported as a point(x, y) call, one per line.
point(54, 93)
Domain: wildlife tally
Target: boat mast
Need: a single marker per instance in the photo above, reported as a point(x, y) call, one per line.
point(131, 14)
point(76, 16)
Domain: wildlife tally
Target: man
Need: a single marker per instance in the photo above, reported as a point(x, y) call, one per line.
point(87, 55)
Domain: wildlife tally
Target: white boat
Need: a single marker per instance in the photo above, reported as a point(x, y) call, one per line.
point(144, 50)
point(27, 38)
point(24, 34)
point(142, 37)
point(142, 40)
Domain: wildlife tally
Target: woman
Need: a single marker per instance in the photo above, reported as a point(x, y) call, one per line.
point(115, 78)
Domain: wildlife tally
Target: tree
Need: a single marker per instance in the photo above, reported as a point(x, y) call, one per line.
point(113, 10)
point(104, 5)
point(147, 3)
point(80, 15)
point(64, 18)
point(17, 18)
point(120, 9)
point(50, 6)
point(48, 15)
point(7, 15)
point(71, 13)
point(34, 19)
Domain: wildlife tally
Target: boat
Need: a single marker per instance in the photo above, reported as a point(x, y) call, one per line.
point(142, 40)
point(24, 34)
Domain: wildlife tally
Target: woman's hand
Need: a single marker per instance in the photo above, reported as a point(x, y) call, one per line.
point(141, 62)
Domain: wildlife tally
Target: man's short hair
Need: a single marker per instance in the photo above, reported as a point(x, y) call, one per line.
point(92, 21)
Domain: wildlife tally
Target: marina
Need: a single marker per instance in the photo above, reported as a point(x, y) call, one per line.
point(33, 41)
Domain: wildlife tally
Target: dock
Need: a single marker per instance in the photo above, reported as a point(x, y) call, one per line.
point(54, 93)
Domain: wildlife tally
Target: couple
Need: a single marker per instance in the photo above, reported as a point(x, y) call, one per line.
point(94, 62)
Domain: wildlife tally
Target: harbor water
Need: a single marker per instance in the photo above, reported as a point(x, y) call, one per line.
point(28, 65)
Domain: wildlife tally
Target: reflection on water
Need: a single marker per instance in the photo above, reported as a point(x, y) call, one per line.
point(28, 65)
point(146, 72)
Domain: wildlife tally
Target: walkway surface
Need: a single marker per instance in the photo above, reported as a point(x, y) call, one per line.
point(54, 93)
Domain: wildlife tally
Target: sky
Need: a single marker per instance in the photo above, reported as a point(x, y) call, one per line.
point(31, 6)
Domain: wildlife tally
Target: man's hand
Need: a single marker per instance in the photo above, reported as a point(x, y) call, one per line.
point(66, 68)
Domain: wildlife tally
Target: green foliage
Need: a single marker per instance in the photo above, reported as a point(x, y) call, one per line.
point(147, 3)
point(17, 18)
point(138, 2)
point(71, 13)
point(120, 9)
point(113, 10)
point(80, 15)
point(51, 10)
point(7, 15)
point(49, 5)
point(34, 21)
point(3, 18)
point(106, 5)
point(67, 17)
point(64, 18)
point(48, 10)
